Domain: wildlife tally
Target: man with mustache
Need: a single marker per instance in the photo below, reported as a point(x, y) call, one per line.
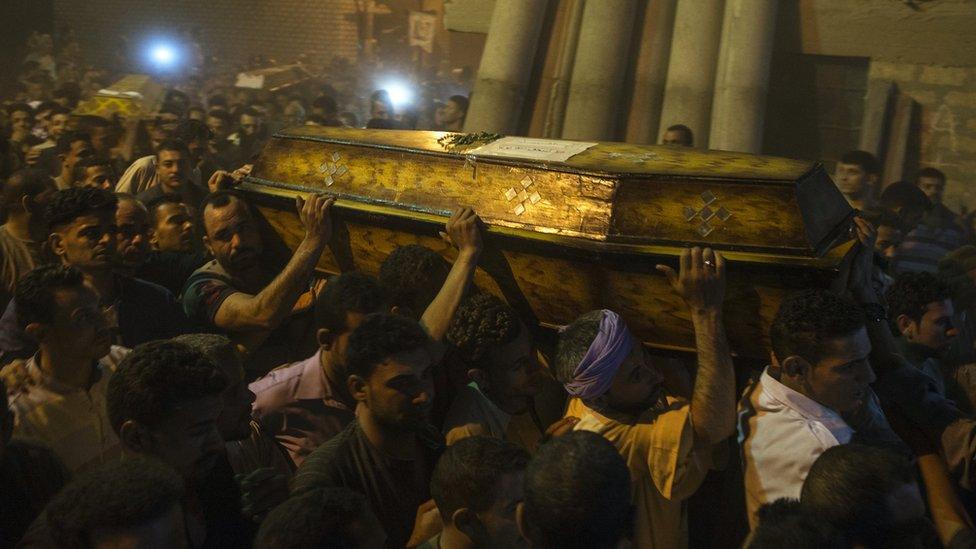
point(173, 169)
point(388, 452)
point(618, 393)
point(817, 392)
point(84, 234)
point(241, 295)
point(141, 230)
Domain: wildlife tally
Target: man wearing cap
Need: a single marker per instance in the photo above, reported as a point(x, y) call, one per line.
point(617, 393)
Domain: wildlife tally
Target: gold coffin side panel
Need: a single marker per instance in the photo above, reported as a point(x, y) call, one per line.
point(565, 238)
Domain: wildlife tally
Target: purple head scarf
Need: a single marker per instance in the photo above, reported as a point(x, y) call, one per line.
point(608, 351)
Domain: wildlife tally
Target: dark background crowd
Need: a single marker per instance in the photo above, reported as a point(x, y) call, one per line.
point(172, 381)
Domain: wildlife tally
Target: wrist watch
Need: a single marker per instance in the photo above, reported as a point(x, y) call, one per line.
point(874, 312)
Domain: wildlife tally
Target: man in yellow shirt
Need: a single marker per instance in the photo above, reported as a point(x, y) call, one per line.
point(617, 393)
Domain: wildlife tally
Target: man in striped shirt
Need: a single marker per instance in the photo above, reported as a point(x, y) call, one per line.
point(936, 235)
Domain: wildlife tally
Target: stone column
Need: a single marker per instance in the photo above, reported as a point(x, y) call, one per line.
point(691, 68)
point(506, 65)
point(742, 79)
point(651, 72)
point(601, 63)
point(555, 113)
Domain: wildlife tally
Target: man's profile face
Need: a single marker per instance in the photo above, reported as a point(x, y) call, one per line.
point(20, 120)
point(57, 126)
point(934, 330)
point(400, 390)
point(249, 124)
point(217, 127)
point(852, 180)
point(232, 236)
point(933, 187)
point(514, 376)
point(499, 523)
point(841, 379)
point(188, 439)
point(132, 242)
point(889, 238)
point(79, 149)
point(100, 177)
point(88, 242)
point(675, 137)
point(102, 141)
point(234, 421)
point(172, 168)
point(452, 113)
point(637, 386)
point(80, 327)
point(340, 342)
point(173, 231)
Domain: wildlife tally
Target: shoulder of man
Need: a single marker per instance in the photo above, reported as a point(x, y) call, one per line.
point(277, 386)
point(328, 464)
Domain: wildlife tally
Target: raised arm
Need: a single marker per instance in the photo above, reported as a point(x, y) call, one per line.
point(860, 269)
point(701, 283)
point(464, 231)
point(242, 312)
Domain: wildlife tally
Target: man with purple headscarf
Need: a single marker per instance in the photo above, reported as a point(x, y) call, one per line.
point(616, 392)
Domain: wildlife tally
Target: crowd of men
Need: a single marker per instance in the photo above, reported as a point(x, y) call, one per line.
point(169, 381)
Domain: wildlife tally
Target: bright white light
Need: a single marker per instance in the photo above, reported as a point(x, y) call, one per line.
point(162, 54)
point(399, 92)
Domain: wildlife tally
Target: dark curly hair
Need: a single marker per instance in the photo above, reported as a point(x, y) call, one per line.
point(412, 275)
point(807, 319)
point(35, 292)
point(577, 494)
point(156, 377)
point(352, 292)
point(122, 494)
point(323, 517)
point(482, 323)
point(379, 337)
point(467, 472)
point(848, 487)
point(70, 204)
point(911, 294)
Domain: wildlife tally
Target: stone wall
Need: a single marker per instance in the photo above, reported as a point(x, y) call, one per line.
point(947, 96)
point(232, 29)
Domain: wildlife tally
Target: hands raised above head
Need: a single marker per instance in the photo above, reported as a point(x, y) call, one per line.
point(463, 230)
point(700, 279)
point(316, 215)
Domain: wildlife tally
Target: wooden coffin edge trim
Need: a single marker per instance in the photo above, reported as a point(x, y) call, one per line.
point(518, 162)
point(261, 189)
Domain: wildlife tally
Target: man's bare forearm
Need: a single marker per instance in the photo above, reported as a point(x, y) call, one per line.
point(437, 318)
point(267, 309)
point(713, 401)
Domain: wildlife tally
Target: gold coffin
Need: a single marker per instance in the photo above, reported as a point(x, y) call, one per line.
point(273, 78)
point(568, 237)
point(133, 95)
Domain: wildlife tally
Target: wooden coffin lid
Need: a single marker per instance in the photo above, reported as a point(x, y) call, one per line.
point(636, 198)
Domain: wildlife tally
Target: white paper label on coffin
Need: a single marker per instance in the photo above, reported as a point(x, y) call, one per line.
point(548, 150)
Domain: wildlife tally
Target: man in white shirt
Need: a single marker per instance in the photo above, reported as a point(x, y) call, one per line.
point(819, 371)
point(63, 404)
